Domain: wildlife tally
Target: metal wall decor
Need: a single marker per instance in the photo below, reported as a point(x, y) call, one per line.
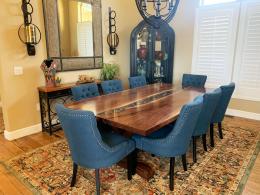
point(112, 38)
point(31, 34)
point(164, 10)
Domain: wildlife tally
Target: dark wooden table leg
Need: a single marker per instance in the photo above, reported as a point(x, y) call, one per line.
point(141, 168)
point(212, 135)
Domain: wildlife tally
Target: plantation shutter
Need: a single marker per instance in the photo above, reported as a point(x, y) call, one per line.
point(247, 63)
point(214, 43)
point(85, 39)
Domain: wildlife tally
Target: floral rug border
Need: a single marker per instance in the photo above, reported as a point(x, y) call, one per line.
point(246, 169)
point(19, 176)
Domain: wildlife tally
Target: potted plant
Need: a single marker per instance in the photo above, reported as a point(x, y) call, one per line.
point(109, 71)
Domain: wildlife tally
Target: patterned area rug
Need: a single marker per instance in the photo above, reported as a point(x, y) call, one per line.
point(2, 126)
point(222, 170)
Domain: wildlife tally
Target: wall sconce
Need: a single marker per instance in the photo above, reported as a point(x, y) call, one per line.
point(28, 30)
point(112, 38)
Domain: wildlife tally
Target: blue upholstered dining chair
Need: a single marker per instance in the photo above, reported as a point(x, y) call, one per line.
point(90, 147)
point(193, 80)
point(177, 138)
point(210, 101)
point(219, 114)
point(111, 86)
point(137, 81)
point(85, 91)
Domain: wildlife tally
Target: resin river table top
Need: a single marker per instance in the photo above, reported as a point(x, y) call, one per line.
point(142, 110)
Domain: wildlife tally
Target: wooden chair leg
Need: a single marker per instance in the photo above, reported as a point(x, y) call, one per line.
point(130, 165)
point(134, 161)
point(220, 130)
point(171, 182)
point(194, 149)
point(97, 182)
point(184, 162)
point(74, 175)
point(212, 135)
point(204, 141)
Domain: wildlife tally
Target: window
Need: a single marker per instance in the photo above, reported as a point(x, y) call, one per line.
point(84, 12)
point(214, 43)
point(85, 39)
point(212, 2)
point(227, 46)
point(85, 30)
point(247, 59)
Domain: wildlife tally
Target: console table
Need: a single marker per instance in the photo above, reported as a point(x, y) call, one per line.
point(48, 97)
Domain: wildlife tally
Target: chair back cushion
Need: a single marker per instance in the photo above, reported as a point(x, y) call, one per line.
point(111, 86)
point(180, 136)
point(84, 139)
point(227, 92)
point(85, 91)
point(192, 80)
point(137, 81)
point(210, 101)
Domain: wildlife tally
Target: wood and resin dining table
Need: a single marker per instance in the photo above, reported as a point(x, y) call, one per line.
point(142, 110)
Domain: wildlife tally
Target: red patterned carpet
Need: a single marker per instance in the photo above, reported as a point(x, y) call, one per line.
point(222, 170)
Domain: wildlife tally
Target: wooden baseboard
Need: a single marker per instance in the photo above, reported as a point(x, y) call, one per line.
point(12, 135)
point(243, 114)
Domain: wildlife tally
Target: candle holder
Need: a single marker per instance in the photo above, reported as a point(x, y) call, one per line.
point(30, 30)
point(112, 38)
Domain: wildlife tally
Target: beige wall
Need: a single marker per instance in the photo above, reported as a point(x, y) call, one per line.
point(19, 93)
point(245, 105)
point(0, 78)
point(183, 25)
point(73, 20)
point(64, 19)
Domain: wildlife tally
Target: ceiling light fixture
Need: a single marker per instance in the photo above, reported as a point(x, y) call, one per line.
point(164, 10)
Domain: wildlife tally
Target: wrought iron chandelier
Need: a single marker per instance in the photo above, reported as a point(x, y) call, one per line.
point(164, 10)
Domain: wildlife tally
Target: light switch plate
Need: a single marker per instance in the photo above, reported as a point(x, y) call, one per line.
point(18, 70)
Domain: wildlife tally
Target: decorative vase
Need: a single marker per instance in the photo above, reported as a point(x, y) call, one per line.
point(142, 52)
point(49, 68)
point(159, 55)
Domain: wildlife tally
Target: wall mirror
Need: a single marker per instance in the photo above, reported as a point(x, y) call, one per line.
point(74, 33)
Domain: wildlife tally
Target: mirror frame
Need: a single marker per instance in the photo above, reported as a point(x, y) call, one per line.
point(52, 33)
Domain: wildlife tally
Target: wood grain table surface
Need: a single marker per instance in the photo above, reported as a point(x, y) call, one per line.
point(142, 110)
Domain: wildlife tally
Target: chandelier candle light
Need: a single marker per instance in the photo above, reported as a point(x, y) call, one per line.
point(164, 9)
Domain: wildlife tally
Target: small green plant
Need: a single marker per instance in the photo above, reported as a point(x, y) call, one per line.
point(109, 71)
point(58, 81)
